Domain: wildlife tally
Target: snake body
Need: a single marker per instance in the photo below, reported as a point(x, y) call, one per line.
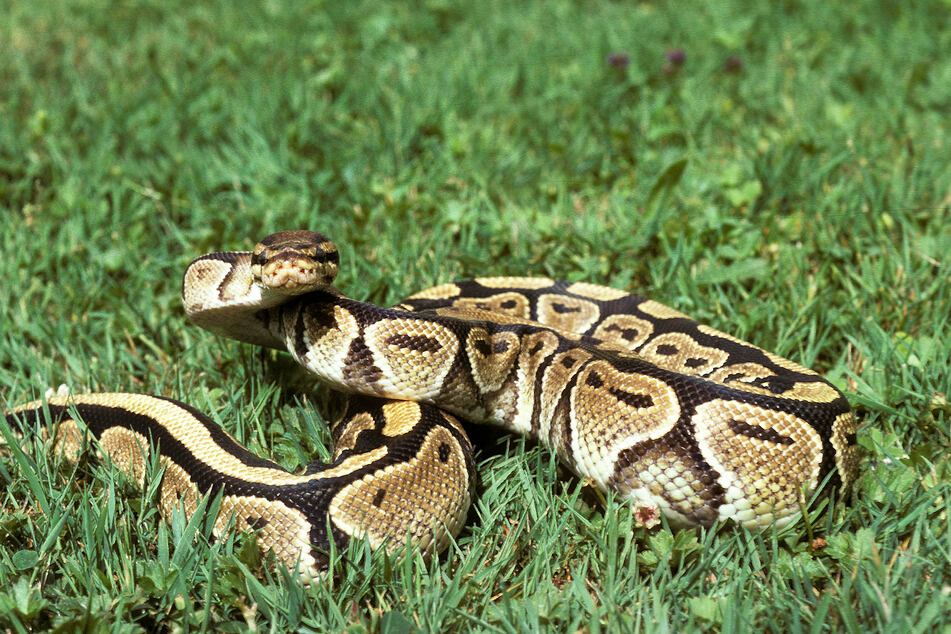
point(632, 395)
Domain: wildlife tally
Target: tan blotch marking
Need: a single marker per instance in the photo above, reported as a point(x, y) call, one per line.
point(414, 356)
point(127, 449)
point(279, 528)
point(596, 291)
point(333, 340)
point(400, 417)
point(491, 357)
point(567, 313)
point(681, 353)
point(327, 345)
point(768, 468)
point(443, 291)
point(535, 348)
point(177, 489)
point(739, 376)
point(531, 283)
point(352, 429)
point(425, 498)
point(237, 283)
point(658, 310)
point(349, 465)
point(511, 304)
point(68, 440)
point(812, 391)
point(742, 372)
point(554, 381)
point(610, 408)
point(626, 331)
point(846, 455)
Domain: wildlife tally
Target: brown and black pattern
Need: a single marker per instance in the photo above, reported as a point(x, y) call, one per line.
point(631, 394)
point(288, 511)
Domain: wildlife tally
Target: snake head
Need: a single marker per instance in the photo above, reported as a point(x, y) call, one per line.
point(295, 262)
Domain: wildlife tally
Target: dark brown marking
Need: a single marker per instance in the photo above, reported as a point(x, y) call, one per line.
point(561, 309)
point(378, 498)
point(256, 523)
point(639, 401)
point(509, 303)
point(778, 387)
point(560, 423)
point(628, 334)
point(359, 363)
point(319, 319)
point(780, 384)
point(594, 380)
point(482, 347)
point(775, 384)
point(443, 452)
point(419, 343)
point(666, 349)
point(500, 347)
point(300, 331)
point(568, 362)
point(695, 362)
point(225, 282)
point(538, 347)
point(760, 433)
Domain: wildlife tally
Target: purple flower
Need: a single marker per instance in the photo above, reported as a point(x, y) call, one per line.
point(733, 64)
point(618, 59)
point(676, 57)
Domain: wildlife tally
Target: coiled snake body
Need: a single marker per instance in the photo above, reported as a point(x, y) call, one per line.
point(631, 394)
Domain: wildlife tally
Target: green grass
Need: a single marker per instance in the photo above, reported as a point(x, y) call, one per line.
point(435, 141)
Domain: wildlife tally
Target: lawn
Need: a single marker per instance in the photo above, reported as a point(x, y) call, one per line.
point(781, 171)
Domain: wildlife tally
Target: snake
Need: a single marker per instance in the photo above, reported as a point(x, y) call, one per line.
point(636, 398)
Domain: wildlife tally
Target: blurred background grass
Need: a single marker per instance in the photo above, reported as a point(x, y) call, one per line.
point(778, 171)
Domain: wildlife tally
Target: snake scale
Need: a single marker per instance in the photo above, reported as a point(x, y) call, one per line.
point(632, 395)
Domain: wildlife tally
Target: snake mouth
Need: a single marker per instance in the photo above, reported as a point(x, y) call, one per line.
point(292, 275)
point(295, 262)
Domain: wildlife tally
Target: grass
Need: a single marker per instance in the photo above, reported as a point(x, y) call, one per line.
point(801, 201)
